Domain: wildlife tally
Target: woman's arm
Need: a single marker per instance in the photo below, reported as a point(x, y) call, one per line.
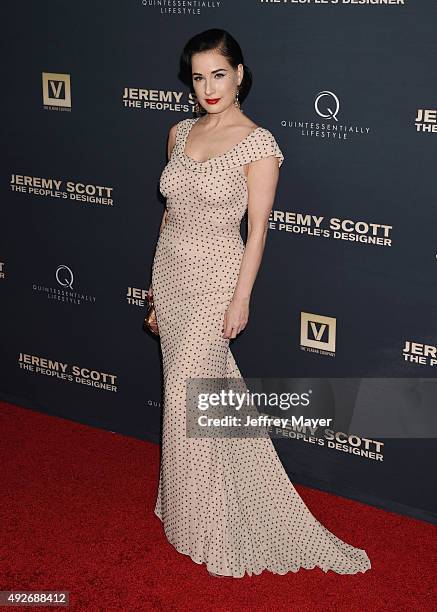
point(262, 180)
point(163, 220)
point(170, 144)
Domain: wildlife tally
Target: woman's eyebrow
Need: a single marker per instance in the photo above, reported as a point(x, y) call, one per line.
point(212, 71)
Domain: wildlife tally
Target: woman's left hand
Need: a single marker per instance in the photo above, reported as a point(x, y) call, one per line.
point(236, 317)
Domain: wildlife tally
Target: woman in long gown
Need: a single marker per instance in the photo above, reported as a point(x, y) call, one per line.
point(227, 503)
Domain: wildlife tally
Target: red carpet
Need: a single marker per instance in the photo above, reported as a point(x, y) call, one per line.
point(77, 515)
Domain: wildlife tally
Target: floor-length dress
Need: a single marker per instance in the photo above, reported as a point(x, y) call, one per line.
point(227, 503)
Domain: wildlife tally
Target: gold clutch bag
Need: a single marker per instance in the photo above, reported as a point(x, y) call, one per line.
point(150, 322)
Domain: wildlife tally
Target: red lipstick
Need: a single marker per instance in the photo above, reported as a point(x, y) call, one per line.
point(212, 100)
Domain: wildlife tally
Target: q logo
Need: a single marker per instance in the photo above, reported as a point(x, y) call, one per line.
point(331, 114)
point(64, 276)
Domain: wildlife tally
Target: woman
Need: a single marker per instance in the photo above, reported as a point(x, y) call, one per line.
point(226, 503)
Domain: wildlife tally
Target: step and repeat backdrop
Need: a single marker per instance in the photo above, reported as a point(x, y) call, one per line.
point(348, 284)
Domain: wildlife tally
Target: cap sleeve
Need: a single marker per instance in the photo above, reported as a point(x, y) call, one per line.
point(261, 144)
point(181, 128)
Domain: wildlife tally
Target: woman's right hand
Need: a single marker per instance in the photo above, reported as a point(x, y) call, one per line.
point(154, 324)
point(153, 321)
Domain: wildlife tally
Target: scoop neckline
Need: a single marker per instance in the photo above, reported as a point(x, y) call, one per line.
point(194, 120)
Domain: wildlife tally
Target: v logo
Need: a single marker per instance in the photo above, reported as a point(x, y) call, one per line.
point(55, 88)
point(317, 334)
point(318, 331)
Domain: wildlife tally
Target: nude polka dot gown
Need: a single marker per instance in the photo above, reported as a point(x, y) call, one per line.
point(227, 503)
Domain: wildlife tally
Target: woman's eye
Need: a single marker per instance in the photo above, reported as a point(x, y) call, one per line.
point(197, 78)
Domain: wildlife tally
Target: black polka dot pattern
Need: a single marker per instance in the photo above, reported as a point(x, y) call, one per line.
point(225, 502)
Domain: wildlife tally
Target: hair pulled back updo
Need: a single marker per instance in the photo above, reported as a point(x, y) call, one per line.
point(221, 41)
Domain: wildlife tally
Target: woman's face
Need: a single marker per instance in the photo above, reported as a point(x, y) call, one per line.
point(215, 81)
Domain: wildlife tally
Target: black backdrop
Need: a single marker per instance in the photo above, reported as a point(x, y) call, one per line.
point(349, 91)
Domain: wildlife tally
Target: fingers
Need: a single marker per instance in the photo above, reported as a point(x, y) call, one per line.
point(232, 331)
point(154, 324)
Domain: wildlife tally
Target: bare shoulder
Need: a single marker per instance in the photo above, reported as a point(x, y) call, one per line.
point(172, 138)
point(172, 133)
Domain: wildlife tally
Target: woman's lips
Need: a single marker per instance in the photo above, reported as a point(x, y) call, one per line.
point(212, 100)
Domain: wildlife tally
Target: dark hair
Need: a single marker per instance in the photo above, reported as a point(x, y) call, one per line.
point(221, 41)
